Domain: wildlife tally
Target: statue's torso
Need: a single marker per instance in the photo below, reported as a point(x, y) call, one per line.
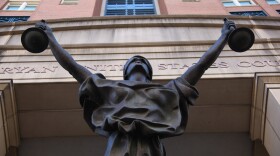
point(135, 116)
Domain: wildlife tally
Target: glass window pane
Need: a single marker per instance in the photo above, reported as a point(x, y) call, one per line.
point(130, 7)
point(30, 7)
point(245, 3)
point(249, 13)
point(228, 4)
point(12, 7)
point(272, 2)
point(13, 18)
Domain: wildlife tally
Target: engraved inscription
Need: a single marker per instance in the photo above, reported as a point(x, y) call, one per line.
point(185, 66)
point(18, 70)
point(247, 64)
point(110, 67)
point(160, 67)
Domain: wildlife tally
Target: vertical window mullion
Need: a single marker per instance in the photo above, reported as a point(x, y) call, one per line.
point(126, 7)
point(252, 2)
point(22, 6)
point(134, 9)
point(236, 2)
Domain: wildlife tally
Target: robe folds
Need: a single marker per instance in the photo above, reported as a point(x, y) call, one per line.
point(136, 115)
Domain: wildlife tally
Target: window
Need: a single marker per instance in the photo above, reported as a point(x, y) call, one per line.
point(13, 18)
point(69, 2)
point(272, 2)
point(249, 13)
point(229, 3)
point(245, 3)
point(21, 5)
point(30, 7)
point(13, 7)
point(130, 7)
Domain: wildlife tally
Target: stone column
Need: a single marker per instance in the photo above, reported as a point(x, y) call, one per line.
point(272, 122)
point(265, 121)
point(9, 133)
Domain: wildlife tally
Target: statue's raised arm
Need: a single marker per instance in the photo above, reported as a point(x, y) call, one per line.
point(79, 72)
point(195, 72)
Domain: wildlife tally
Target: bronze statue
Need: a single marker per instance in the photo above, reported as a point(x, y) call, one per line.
point(134, 113)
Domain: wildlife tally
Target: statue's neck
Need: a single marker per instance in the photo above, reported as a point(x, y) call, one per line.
point(138, 76)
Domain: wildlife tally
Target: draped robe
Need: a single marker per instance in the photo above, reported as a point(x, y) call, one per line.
point(136, 115)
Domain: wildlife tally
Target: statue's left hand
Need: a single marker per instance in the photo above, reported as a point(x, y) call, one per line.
point(228, 27)
point(44, 26)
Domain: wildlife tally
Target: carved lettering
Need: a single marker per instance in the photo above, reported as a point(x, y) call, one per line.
point(32, 70)
point(102, 68)
point(121, 67)
point(50, 70)
point(6, 70)
point(162, 67)
point(244, 64)
point(273, 63)
point(214, 65)
point(118, 67)
point(184, 66)
point(110, 67)
point(258, 64)
point(175, 66)
point(169, 65)
point(92, 68)
point(223, 65)
point(20, 69)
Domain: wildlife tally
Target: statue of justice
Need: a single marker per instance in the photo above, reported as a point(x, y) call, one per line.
point(134, 113)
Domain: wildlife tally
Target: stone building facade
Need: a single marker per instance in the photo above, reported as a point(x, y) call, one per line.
point(61, 9)
point(237, 112)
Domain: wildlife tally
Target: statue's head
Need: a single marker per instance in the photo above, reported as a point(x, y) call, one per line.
point(137, 66)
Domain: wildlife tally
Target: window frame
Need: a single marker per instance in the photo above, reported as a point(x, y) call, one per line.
point(22, 5)
point(278, 2)
point(103, 8)
point(30, 6)
point(245, 1)
point(229, 2)
point(69, 2)
point(237, 3)
point(6, 8)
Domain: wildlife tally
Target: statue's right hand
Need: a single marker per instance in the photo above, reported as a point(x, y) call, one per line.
point(228, 27)
point(43, 25)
